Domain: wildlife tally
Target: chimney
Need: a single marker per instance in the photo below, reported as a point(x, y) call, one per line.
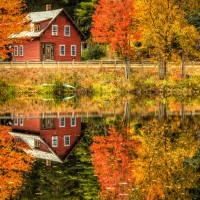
point(48, 7)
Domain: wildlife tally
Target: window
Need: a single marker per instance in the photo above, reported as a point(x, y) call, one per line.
point(48, 162)
point(15, 121)
point(67, 140)
point(54, 30)
point(37, 27)
point(62, 50)
point(15, 50)
point(47, 123)
point(67, 30)
point(37, 143)
point(21, 121)
point(73, 50)
point(62, 122)
point(54, 141)
point(73, 121)
point(21, 50)
point(17, 139)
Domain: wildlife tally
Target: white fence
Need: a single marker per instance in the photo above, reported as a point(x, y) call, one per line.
point(86, 64)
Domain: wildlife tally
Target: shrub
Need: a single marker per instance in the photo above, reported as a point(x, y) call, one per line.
point(94, 52)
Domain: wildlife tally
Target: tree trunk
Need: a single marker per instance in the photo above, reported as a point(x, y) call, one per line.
point(126, 67)
point(162, 70)
point(182, 65)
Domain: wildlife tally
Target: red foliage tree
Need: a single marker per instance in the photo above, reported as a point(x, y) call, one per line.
point(113, 161)
point(13, 164)
point(12, 21)
point(114, 23)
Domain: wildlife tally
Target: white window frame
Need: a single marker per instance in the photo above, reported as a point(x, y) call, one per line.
point(37, 27)
point(21, 50)
point(66, 136)
point(73, 124)
point(54, 141)
point(73, 51)
point(21, 121)
point(54, 30)
point(15, 50)
point(66, 30)
point(15, 121)
point(62, 121)
point(62, 51)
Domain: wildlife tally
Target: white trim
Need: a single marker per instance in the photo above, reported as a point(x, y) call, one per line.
point(73, 51)
point(15, 50)
point(66, 26)
point(54, 141)
point(21, 50)
point(66, 136)
point(62, 51)
point(60, 121)
point(71, 119)
point(55, 31)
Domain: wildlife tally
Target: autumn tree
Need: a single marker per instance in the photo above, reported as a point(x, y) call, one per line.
point(12, 21)
point(164, 164)
point(112, 158)
point(114, 23)
point(165, 32)
point(14, 163)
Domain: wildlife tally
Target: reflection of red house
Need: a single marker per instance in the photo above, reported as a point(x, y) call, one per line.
point(48, 138)
point(55, 37)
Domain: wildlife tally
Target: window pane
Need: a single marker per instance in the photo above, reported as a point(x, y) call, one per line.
point(54, 30)
point(67, 30)
point(73, 121)
point(62, 50)
point(15, 50)
point(73, 50)
point(21, 50)
point(67, 140)
point(62, 122)
point(54, 141)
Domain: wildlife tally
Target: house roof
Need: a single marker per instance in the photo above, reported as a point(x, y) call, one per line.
point(37, 17)
point(29, 140)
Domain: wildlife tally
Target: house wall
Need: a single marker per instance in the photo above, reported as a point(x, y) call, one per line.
point(31, 51)
point(60, 39)
point(74, 133)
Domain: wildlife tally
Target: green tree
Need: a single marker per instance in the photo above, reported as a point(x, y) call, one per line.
point(84, 16)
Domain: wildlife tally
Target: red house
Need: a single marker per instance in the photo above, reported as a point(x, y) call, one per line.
point(49, 138)
point(55, 37)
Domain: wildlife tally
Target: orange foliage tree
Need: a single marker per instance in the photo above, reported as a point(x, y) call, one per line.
point(112, 158)
point(13, 164)
point(114, 24)
point(12, 21)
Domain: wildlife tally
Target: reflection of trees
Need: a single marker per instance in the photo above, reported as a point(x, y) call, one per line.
point(73, 180)
point(112, 157)
point(163, 170)
point(14, 163)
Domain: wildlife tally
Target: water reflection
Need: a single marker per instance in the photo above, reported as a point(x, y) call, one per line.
point(121, 148)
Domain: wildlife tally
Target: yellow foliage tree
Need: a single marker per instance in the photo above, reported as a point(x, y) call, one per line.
point(164, 167)
point(12, 21)
point(165, 32)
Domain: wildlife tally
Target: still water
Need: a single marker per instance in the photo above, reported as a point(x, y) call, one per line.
point(109, 148)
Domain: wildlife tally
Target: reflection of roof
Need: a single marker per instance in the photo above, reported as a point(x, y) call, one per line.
point(29, 139)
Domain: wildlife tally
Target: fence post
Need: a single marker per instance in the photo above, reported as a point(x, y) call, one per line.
point(58, 64)
point(11, 64)
point(27, 64)
point(42, 64)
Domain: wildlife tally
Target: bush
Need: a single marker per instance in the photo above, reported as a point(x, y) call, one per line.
point(94, 52)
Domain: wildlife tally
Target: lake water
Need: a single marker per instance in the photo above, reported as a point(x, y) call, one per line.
point(123, 147)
